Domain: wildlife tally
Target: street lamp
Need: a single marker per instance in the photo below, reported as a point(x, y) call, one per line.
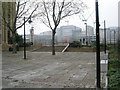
point(114, 38)
point(110, 37)
point(97, 47)
point(24, 41)
point(25, 38)
point(86, 35)
point(86, 30)
point(105, 36)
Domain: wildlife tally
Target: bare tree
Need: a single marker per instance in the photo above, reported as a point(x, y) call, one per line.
point(24, 8)
point(53, 11)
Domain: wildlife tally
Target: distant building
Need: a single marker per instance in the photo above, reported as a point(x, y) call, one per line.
point(90, 35)
point(66, 34)
point(90, 31)
point(101, 35)
point(70, 33)
point(36, 38)
point(45, 38)
point(111, 35)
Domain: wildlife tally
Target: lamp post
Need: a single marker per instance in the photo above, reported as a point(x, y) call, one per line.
point(110, 37)
point(25, 38)
point(97, 47)
point(86, 35)
point(86, 30)
point(24, 41)
point(105, 36)
point(114, 38)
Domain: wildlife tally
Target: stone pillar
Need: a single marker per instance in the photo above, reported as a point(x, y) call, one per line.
point(32, 35)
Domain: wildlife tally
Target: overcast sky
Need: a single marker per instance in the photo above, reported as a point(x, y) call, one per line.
point(108, 10)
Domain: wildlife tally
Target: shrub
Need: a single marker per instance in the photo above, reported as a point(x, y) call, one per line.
point(114, 70)
point(28, 44)
point(19, 40)
point(93, 45)
point(11, 49)
point(101, 45)
point(75, 44)
point(114, 78)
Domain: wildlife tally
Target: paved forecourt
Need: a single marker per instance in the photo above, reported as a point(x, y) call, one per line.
point(42, 70)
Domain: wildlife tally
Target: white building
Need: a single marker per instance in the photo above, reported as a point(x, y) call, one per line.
point(111, 35)
point(90, 31)
point(45, 38)
point(66, 34)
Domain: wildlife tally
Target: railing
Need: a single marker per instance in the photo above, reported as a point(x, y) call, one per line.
point(65, 48)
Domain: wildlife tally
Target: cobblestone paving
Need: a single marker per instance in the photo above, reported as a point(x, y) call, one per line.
point(42, 70)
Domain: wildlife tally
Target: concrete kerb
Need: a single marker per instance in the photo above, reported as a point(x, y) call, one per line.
point(104, 70)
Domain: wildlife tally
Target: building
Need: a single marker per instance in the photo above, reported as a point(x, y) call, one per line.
point(111, 35)
point(7, 15)
point(45, 38)
point(66, 34)
point(90, 30)
point(101, 31)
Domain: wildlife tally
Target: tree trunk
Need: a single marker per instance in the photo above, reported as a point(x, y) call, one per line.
point(14, 43)
point(53, 42)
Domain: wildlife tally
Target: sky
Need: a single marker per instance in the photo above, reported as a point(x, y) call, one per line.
point(108, 11)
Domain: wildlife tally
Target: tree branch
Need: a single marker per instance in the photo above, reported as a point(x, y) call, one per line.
point(27, 18)
point(60, 13)
point(22, 8)
point(15, 19)
point(19, 16)
point(45, 23)
point(47, 15)
point(54, 17)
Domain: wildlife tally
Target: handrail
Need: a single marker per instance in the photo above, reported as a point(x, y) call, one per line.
point(65, 48)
